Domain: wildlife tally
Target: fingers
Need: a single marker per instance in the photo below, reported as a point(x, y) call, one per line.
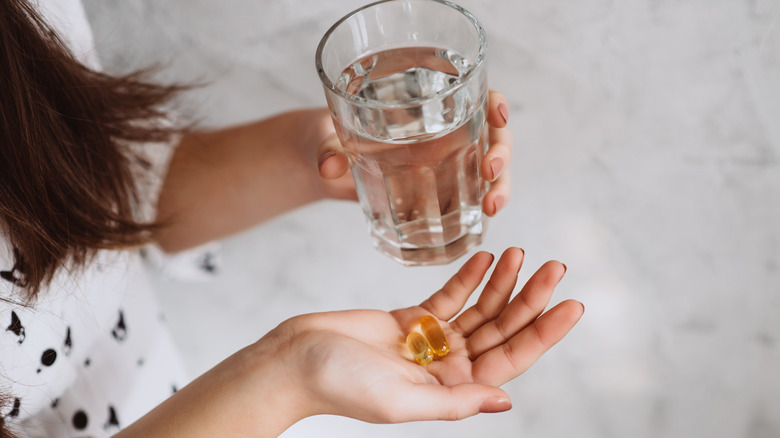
point(507, 361)
point(499, 153)
point(498, 196)
point(500, 149)
point(498, 109)
point(332, 162)
point(333, 166)
point(522, 311)
point(496, 294)
point(436, 402)
point(448, 301)
point(495, 165)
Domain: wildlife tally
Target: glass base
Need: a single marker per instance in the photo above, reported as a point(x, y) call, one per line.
point(432, 255)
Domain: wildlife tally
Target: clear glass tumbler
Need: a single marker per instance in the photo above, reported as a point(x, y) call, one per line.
point(406, 84)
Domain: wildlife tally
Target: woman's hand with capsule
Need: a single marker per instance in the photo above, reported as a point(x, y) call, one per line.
point(356, 363)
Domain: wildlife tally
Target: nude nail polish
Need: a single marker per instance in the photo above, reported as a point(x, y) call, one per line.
point(496, 166)
point(324, 157)
point(495, 404)
point(504, 111)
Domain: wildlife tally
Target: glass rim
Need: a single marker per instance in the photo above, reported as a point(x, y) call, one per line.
point(454, 86)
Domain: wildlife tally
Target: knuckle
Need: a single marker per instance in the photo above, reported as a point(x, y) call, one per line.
point(509, 353)
point(452, 413)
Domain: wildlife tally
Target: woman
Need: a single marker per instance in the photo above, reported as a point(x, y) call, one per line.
point(83, 350)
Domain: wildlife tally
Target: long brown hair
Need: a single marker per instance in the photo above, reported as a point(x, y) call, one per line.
point(66, 172)
point(67, 175)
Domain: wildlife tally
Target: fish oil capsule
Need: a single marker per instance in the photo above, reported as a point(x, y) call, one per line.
point(419, 347)
point(435, 335)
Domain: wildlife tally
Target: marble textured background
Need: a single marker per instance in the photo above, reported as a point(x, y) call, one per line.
point(647, 146)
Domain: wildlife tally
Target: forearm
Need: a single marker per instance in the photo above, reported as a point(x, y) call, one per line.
point(247, 395)
point(225, 181)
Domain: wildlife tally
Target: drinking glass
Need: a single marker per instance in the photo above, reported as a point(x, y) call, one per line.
point(406, 84)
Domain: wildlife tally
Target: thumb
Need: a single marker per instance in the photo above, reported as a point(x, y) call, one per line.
point(436, 402)
point(331, 162)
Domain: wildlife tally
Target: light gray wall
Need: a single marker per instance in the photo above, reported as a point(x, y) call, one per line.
point(647, 138)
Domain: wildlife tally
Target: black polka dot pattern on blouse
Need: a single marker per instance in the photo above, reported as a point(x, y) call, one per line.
point(113, 421)
point(16, 327)
point(84, 417)
point(17, 274)
point(47, 358)
point(68, 344)
point(15, 410)
point(13, 413)
point(120, 330)
point(208, 263)
point(80, 420)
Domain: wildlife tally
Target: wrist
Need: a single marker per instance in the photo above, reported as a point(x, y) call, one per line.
point(249, 394)
point(289, 144)
point(270, 368)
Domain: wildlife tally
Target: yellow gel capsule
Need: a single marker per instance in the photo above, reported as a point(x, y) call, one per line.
point(435, 335)
point(419, 347)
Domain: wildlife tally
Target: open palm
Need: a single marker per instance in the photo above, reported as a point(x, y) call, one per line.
point(357, 365)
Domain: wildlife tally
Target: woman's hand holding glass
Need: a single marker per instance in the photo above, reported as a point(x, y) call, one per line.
point(333, 165)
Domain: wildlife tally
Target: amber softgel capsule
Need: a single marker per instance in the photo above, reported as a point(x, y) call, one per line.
point(435, 335)
point(419, 347)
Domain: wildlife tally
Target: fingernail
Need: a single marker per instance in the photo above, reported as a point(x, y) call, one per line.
point(504, 111)
point(498, 203)
point(495, 404)
point(324, 157)
point(496, 166)
point(583, 307)
point(564, 267)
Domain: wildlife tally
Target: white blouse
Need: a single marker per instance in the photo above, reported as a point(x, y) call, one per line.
point(93, 353)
